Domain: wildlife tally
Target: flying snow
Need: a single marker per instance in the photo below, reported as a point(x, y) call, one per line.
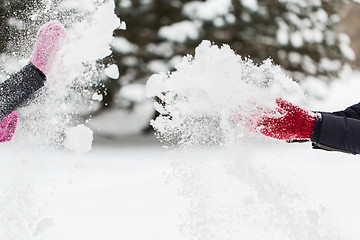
point(78, 139)
point(198, 102)
point(229, 194)
point(68, 87)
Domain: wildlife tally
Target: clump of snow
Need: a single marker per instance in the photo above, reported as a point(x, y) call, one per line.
point(315, 87)
point(157, 66)
point(282, 34)
point(16, 23)
point(294, 58)
point(330, 65)
point(89, 39)
point(207, 10)
point(198, 101)
point(80, 5)
point(10, 65)
point(345, 46)
point(180, 32)
point(78, 139)
point(122, 45)
point(250, 4)
point(97, 97)
point(322, 16)
point(296, 39)
point(112, 71)
point(133, 92)
point(309, 65)
point(312, 35)
point(122, 25)
point(164, 49)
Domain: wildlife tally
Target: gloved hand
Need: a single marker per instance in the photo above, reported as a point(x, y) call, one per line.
point(289, 123)
point(8, 126)
point(50, 39)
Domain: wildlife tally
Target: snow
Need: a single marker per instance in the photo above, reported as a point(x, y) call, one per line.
point(44, 225)
point(345, 46)
point(132, 183)
point(207, 10)
point(230, 18)
point(303, 3)
point(322, 15)
point(282, 34)
point(309, 65)
point(11, 65)
point(79, 5)
point(164, 49)
point(200, 98)
point(122, 45)
point(78, 139)
point(341, 94)
point(241, 185)
point(315, 87)
point(125, 4)
point(16, 23)
point(296, 39)
point(312, 35)
point(157, 66)
point(97, 97)
point(224, 183)
point(134, 92)
point(120, 122)
point(43, 121)
point(130, 61)
point(112, 71)
point(250, 4)
point(180, 32)
point(330, 65)
point(117, 191)
point(99, 29)
point(122, 25)
point(294, 58)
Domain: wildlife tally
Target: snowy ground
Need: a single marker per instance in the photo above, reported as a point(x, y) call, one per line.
point(132, 188)
point(122, 190)
point(118, 191)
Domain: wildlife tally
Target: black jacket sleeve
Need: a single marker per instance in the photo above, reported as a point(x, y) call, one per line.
point(17, 90)
point(350, 112)
point(339, 131)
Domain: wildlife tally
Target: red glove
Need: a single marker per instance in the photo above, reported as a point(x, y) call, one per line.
point(292, 123)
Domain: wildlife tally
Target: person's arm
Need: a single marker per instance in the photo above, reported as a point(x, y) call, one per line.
point(21, 86)
point(339, 131)
point(16, 90)
point(350, 112)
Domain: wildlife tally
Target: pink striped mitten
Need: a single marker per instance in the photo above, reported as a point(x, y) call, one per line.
point(50, 38)
point(8, 126)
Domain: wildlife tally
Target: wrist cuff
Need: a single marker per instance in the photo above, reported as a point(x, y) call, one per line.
point(308, 127)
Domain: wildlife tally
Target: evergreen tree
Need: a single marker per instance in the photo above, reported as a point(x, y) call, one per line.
point(298, 35)
point(13, 15)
